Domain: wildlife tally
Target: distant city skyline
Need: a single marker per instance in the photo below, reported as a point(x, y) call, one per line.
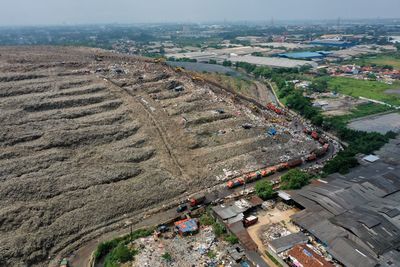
point(59, 12)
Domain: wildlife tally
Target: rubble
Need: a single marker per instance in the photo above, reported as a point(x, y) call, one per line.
point(202, 249)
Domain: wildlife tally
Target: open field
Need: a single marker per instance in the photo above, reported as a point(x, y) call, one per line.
point(381, 60)
point(369, 89)
point(90, 138)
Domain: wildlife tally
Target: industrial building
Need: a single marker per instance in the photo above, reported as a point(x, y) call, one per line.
point(305, 55)
point(331, 42)
point(356, 216)
point(273, 62)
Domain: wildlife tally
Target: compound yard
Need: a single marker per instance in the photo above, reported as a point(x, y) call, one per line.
point(90, 138)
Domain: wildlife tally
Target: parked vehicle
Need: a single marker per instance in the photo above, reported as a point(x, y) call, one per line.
point(249, 221)
point(181, 208)
point(197, 200)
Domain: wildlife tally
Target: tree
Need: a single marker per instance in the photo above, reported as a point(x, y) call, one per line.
point(319, 85)
point(295, 179)
point(227, 63)
point(264, 189)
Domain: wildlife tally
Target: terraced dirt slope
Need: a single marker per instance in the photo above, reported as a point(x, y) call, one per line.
point(89, 138)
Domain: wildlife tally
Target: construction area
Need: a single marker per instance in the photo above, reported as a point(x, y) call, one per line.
point(91, 138)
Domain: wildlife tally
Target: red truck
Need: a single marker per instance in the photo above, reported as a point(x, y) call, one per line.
point(295, 163)
point(274, 108)
point(197, 200)
point(314, 135)
point(311, 157)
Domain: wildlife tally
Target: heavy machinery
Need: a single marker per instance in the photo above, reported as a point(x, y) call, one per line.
point(235, 183)
point(178, 69)
point(197, 79)
point(159, 60)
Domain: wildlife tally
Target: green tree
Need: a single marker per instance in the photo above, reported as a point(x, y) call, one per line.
point(264, 189)
point(319, 85)
point(295, 179)
point(227, 63)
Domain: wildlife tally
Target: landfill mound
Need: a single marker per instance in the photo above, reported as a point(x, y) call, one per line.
point(90, 138)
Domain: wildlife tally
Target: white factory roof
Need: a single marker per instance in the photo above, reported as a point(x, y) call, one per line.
point(272, 61)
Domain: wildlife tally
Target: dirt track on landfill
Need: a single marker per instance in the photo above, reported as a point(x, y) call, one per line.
point(90, 138)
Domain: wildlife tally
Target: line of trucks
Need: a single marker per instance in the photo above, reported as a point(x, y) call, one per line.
point(254, 176)
point(274, 108)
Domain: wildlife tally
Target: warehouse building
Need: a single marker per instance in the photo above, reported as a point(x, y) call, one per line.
point(273, 62)
point(356, 216)
point(305, 55)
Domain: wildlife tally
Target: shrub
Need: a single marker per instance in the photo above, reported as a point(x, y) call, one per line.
point(206, 219)
point(120, 254)
point(264, 189)
point(218, 229)
point(295, 179)
point(166, 256)
point(232, 239)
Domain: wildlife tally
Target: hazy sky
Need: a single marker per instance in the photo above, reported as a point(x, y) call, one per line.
point(36, 12)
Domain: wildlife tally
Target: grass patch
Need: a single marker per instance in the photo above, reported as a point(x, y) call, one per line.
point(272, 258)
point(380, 60)
point(211, 254)
point(167, 256)
point(369, 89)
point(232, 239)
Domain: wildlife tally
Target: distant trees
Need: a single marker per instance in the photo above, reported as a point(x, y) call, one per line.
point(257, 54)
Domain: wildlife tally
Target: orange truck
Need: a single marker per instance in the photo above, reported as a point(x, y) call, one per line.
point(235, 183)
point(197, 200)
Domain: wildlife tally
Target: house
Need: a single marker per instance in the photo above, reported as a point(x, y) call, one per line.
point(187, 227)
point(303, 256)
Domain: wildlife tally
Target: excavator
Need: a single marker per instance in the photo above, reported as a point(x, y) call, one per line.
point(196, 78)
point(178, 69)
point(159, 60)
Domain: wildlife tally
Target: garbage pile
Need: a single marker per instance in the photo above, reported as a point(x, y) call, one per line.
point(202, 249)
point(274, 231)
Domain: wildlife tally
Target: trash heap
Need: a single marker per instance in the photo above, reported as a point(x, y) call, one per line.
point(202, 249)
